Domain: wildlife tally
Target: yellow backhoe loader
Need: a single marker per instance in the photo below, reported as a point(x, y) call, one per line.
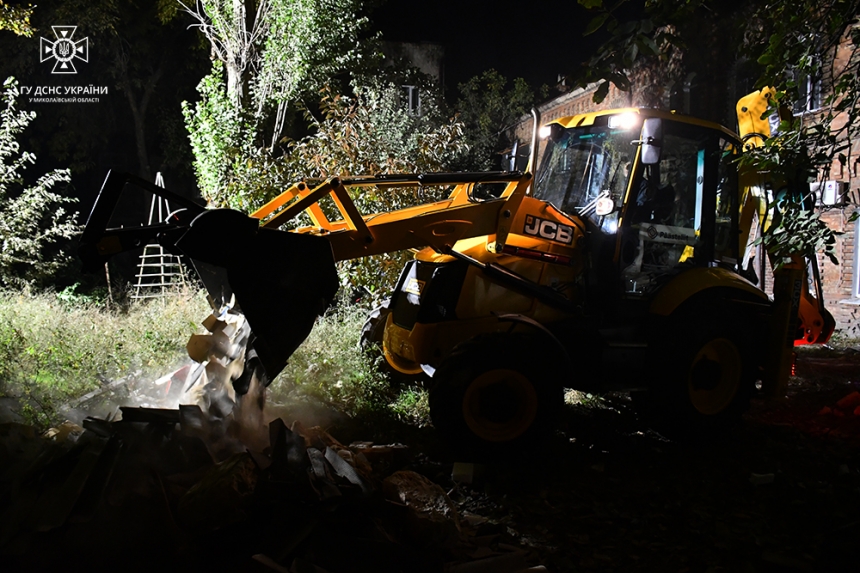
point(624, 263)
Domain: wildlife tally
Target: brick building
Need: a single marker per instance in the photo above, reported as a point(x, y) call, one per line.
point(840, 191)
point(841, 198)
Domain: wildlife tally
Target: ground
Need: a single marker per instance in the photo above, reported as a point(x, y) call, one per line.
point(781, 492)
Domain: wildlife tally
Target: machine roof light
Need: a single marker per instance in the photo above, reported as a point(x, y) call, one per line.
point(623, 121)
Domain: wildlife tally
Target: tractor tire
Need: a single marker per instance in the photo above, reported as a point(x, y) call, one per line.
point(371, 341)
point(709, 379)
point(496, 392)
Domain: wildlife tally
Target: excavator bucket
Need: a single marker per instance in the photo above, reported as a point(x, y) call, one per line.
point(281, 281)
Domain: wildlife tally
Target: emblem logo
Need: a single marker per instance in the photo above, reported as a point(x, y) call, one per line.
point(64, 50)
point(538, 227)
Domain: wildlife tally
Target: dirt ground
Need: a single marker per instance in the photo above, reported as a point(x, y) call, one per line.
point(780, 493)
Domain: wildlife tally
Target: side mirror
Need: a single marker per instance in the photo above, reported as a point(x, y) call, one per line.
point(652, 140)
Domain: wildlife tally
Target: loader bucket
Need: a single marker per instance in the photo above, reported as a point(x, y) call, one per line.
point(282, 281)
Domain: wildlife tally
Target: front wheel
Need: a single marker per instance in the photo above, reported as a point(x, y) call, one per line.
point(495, 390)
point(398, 370)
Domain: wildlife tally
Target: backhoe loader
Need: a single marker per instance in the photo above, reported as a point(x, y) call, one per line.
point(624, 263)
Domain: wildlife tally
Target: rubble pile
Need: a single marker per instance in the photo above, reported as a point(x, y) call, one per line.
point(172, 488)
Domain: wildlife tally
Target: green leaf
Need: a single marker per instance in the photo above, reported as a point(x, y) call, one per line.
point(630, 55)
point(652, 46)
point(590, 4)
point(601, 92)
point(595, 24)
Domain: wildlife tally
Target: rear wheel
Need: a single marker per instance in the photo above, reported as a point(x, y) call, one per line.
point(398, 370)
point(495, 390)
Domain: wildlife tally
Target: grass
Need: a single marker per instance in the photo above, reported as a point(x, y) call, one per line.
point(331, 368)
point(56, 347)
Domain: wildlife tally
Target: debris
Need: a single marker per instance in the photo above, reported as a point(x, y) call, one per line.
point(150, 415)
point(343, 469)
point(97, 426)
point(154, 469)
point(428, 515)
point(66, 430)
point(222, 496)
point(850, 401)
point(56, 503)
point(467, 473)
point(381, 454)
point(321, 477)
point(512, 562)
point(270, 563)
point(761, 479)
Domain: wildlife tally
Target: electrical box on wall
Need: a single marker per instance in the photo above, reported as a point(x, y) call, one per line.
point(829, 192)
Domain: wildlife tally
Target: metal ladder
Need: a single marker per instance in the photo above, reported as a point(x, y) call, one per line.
point(158, 271)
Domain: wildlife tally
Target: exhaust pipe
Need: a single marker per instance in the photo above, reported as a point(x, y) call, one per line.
point(533, 151)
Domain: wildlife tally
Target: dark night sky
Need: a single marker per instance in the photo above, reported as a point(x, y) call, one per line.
point(533, 40)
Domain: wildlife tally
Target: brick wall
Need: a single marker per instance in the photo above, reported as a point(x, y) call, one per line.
point(572, 103)
point(838, 281)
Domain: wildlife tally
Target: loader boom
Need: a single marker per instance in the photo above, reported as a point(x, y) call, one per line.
point(438, 225)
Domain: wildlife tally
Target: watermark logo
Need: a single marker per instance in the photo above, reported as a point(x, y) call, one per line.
point(64, 50)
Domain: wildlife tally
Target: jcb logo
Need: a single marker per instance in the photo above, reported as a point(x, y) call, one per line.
point(545, 229)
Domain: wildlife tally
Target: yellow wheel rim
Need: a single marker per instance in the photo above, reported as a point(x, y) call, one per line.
point(500, 405)
point(400, 364)
point(715, 376)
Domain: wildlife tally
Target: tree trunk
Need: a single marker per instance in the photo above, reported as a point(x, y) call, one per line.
point(244, 13)
point(138, 112)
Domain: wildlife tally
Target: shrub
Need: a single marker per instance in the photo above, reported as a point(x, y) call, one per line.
point(33, 219)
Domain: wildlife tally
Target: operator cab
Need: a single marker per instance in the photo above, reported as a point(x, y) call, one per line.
point(656, 192)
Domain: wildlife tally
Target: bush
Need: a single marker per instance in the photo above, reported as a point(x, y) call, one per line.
point(34, 225)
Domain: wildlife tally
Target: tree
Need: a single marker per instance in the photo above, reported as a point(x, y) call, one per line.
point(489, 108)
point(789, 45)
point(33, 219)
point(373, 132)
point(267, 55)
point(16, 19)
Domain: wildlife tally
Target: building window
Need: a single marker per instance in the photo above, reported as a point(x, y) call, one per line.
point(413, 99)
point(809, 97)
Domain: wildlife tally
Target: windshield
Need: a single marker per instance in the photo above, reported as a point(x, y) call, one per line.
point(581, 164)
